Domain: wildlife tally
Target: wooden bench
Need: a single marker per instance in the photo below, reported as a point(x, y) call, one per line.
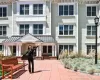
point(11, 65)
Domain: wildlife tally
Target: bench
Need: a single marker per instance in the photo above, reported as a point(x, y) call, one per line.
point(11, 65)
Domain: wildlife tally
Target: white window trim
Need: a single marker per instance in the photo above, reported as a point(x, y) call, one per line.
point(31, 7)
point(63, 31)
point(2, 30)
point(24, 28)
point(7, 10)
point(31, 25)
point(91, 34)
point(66, 4)
point(91, 5)
point(68, 46)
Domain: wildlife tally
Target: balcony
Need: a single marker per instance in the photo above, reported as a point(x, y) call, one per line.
point(29, 18)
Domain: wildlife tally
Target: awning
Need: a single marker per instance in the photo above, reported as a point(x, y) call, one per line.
point(42, 38)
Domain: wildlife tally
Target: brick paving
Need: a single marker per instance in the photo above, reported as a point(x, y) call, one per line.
point(52, 70)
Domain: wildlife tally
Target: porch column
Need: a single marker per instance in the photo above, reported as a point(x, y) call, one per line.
point(37, 52)
point(17, 50)
point(40, 50)
point(4, 50)
point(9, 50)
point(53, 51)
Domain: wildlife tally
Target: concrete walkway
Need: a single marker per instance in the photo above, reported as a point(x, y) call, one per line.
point(52, 70)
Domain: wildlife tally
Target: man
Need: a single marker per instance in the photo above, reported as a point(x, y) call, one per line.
point(31, 52)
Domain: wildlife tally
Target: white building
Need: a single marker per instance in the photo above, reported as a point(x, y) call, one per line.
point(53, 25)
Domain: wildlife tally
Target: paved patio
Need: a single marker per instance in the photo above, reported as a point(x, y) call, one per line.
point(52, 70)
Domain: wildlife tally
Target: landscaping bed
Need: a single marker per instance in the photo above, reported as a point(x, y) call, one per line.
point(80, 62)
point(82, 65)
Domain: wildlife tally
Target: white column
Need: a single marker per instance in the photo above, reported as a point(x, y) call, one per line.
point(4, 50)
point(37, 52)
point(40, 50)
point(31, 29)
point(9, 50)
point(17, 50)
point(12, 18)
point(53, 51)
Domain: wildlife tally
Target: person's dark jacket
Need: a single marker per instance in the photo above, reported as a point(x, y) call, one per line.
point(30, 54)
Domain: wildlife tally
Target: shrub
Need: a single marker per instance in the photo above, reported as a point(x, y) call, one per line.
point(90, 70)
point(75, 68)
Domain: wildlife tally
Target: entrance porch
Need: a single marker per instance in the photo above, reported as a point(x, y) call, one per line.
point(45, 49)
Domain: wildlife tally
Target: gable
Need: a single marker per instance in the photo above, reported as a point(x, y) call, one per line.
point(29, 38)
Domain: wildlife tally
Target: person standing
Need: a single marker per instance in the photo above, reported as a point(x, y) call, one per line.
point(30, 59)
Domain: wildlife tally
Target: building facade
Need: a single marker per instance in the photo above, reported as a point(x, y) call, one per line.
point(52, 25)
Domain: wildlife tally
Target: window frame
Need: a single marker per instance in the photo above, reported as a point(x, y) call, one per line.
point(2, 47)
point(24, 29)
point(6, 11)
point(91, 48)
point(64, 47)
point(90, 30)
point(91, 5)
point(68, 29)
point(24, 9)
point(68, 4)
point(3, 30)
point(38, 28)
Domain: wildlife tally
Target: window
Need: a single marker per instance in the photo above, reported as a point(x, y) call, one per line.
point(91, 11)
point(91, 30)
point(48, 50)
point(24, 9)
point(3, 30)
point(69, 48)
point(37, 28)
point(24, 29)
point(65, 29)
point(14, 50)
point(1, 47)
point(3, 11)
point(90, 48)
point(66, 10)
point(37, 8)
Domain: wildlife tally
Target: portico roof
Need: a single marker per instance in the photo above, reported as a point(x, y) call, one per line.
point(29, 37)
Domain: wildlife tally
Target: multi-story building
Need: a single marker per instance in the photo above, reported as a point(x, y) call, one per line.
point(52, 25)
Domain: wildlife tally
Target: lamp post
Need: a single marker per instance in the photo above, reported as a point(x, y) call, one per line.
point(96, 20)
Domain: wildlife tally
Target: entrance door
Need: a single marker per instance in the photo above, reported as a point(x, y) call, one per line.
point(47, 51)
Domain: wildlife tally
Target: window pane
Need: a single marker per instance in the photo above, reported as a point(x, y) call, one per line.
point(26, 26)
point(40, 11)
point(4, 32)
point(88, 49)
point(0, 47)
point(65, 47)
point(88, 27)
point(0, 32)
point(35, 26)
point(65, 27)
point(88, 32)
point(40, 31)
point(22, 27)
point(35, 6)
point(40, 6)
point(26, 31)
point(93, 13)
point(49, 49)
point(93, 28)
point(93, 32)
point(0, 28)
point(65, 10)
point(0, 12)
point(89, 11)
point(40, 26)
point(35, 32)
point(94, 9)
point(22, 9)
point(4, 11)
point(44, 49)
point(60, 10)
point(27, 9)
point(71, 10)
point(21, 31)
point(60, 48)
point(70, 32)
point(70, 48)
point(35, 12)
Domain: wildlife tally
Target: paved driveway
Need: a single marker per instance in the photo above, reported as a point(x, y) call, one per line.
point(52, 70)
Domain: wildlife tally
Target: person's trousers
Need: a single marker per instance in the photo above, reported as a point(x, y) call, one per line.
point(31, 65)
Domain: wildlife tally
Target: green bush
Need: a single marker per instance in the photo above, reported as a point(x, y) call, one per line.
point(90, 70)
